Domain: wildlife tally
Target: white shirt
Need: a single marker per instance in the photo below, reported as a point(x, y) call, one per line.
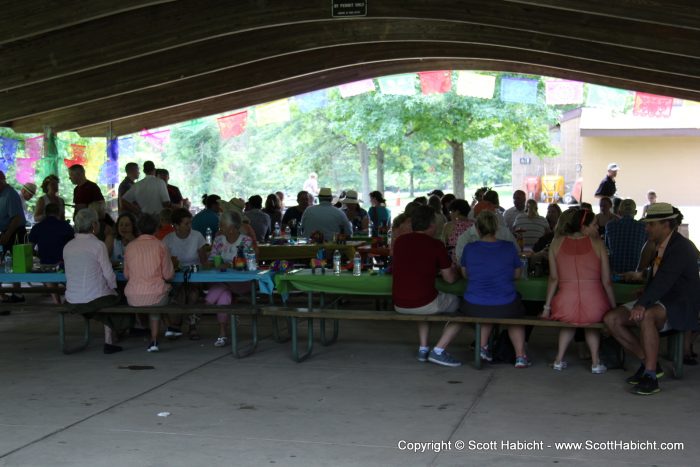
point(89, 273)
point(471, 235)
point(150, 194)
point(510, 215)
point(185, 249)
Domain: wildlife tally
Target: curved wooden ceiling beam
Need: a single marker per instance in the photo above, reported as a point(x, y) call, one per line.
point(213, 56)
point(325, 62)
point(162, 27)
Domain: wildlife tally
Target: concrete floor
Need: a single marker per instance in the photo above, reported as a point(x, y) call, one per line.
point(353, 403)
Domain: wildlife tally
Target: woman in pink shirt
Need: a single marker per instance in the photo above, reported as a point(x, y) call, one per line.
point(147, 265)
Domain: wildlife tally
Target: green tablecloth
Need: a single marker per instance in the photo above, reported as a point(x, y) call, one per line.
point(533, 289)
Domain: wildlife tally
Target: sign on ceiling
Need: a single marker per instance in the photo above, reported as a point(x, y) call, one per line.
point(342, 9)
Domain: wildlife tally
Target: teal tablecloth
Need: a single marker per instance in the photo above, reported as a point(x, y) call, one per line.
point(265, 279)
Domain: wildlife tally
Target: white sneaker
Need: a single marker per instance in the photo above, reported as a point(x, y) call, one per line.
point(220, 342)
point(599, 369)
point(559, 366)
point(153, 347)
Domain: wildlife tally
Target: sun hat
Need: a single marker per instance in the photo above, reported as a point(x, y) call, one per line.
point(325, 193)
point(660, 212)
point(30, 187)
point(350, 198)
point(613, 166)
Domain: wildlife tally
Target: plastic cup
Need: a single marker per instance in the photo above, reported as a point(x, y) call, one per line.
point(217, 261)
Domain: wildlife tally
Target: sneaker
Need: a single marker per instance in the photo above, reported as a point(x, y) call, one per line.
point(522, 362)
point(444, 359)
point(153, 347)
point(598, 369)
point(220, 342)
point(172, 333)
point(559, 366)
point(646, 386)
point(423, 355)
point(485, 354)
point(637, 377)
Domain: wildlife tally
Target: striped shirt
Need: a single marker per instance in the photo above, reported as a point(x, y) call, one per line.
point(89, 273)
point(147, 265)
point(533, 228)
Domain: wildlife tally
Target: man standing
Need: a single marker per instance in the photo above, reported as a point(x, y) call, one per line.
point(173, 191)
point(670, 300)
point(625, 238)
point(292, 216)
point(607, 187)
point(311, 186)
point(259, 220)
point(519, 199)
point(85, 191)
point(325, 218)
point(417, 258)
point(149, 195)
point(11, 225)
point(132, 174)
point(25, 194)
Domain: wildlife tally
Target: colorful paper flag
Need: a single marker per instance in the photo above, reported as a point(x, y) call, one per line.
point(8, 151)
point(272, 112)
point(157, 139)
point(519, 90)
point(652, 105)
point(312, 100)
point(25, 170)
point(356, 88)
point(603, 96)
point(96, 155)
point(113, 149)
point(475, 85)
point(435, 82)
point(109, 173)
point(232, 125)
point(562, 92)
point(400, 85)
point(34, 147)
point(127, 146)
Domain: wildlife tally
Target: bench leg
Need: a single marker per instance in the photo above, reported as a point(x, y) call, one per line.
point(244, 350)
point(295, 339)
point(477, 346)
point(62, 335)
point(336, 327)
point(277, 334)
point(675, 344)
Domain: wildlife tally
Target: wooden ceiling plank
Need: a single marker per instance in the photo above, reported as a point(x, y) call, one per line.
point(685, 14)
point(161, 27)
point(277, 70)
point(21, 20)
point(215, 55)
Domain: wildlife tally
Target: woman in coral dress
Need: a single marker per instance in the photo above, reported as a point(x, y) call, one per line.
point(579, 289)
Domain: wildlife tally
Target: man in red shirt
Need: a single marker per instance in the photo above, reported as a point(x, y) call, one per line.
point(418, 258)
point(85, 191)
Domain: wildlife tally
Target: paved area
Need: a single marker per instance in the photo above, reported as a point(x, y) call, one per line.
point(362, 401)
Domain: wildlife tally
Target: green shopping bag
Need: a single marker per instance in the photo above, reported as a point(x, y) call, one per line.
point(22, 258)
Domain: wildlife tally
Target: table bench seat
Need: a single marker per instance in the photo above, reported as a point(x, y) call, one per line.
point(675, 342)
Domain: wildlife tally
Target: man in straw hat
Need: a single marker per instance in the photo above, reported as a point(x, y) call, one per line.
point(670, 300)
point(325, 218)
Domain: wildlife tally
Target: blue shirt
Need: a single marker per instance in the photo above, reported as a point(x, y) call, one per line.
point(10, 206)
point(206, 218)
point(625, 239)
point(490, 267)
point(50, 236)
point(326, 219)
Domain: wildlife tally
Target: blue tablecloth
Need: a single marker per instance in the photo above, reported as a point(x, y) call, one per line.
point(265, 279)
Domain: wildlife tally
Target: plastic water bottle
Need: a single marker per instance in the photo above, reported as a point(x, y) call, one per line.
point(357, 264)
point(336, 262)
point(370, 229)
point(278, 232)
point(251, 260)
point(300, 230)
point(207, 235)
point(523, 267)
point(388, 238)
point(8, 262)
point(287, 232)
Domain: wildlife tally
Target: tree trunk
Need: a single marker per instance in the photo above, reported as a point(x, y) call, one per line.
point(457, 168)
point(364, 169)
point(410, 185)
point(380, 169)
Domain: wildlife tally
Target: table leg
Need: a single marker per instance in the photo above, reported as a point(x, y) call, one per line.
point(295, 340)
point(62, 335)
point(322, 329)
point(477, 346)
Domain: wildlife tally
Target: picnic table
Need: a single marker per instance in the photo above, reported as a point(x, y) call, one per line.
point(267, 252)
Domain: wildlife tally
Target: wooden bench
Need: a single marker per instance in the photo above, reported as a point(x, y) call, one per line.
point(239, 350)
point(675, 342)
